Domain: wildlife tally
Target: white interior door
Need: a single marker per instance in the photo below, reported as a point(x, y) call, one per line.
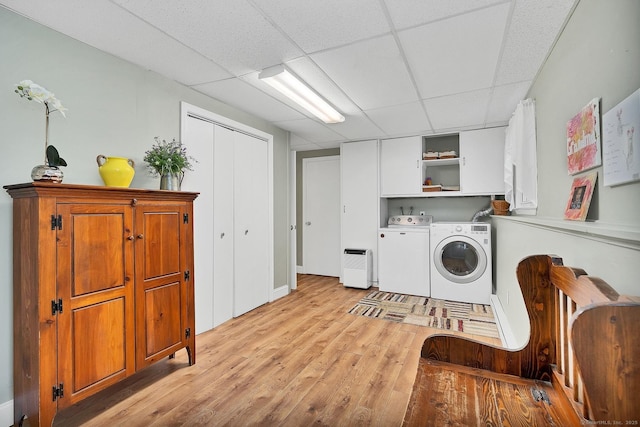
point(251, 228)
point(321, 214)
point(198, 138)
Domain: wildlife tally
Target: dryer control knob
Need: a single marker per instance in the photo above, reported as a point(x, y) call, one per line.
point(458, 228)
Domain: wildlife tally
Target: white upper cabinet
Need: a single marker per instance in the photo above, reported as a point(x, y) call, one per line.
point(400, 166)
point(466, 164)
point(482, 161)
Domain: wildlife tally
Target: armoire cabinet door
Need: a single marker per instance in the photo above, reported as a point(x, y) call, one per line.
point(95, 303)
point(161, 292)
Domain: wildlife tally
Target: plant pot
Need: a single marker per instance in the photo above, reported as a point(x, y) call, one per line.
point(47, 173)
point(500, 207)
point(171, 182)
point(116, 171)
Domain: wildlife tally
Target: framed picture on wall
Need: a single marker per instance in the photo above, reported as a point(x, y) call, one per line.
point(621, 142)
point(583, 139)
point(580, 197)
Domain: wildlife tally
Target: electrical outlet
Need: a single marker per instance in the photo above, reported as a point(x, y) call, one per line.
point(421, 213)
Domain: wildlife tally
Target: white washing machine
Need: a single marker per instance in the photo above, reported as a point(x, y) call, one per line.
point(403, 253)
point(461, 261)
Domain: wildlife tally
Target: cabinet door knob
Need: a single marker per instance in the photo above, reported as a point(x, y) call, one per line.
point(307, 223)
point(140, 236)
point(130, 238)
point(221, 235)
point(246, 232)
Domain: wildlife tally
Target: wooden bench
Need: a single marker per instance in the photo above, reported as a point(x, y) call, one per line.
point(581, 365)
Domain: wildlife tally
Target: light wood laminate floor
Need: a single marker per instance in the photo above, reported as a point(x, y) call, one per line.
point(297, 361)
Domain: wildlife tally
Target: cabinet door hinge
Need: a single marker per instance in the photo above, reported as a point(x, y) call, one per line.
point(56, 222)
point(185, 218)
point(187, 275)
point(187, 332)
point(56, 307)
point(58, 392)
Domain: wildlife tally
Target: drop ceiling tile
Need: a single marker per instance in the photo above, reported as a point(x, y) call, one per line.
point(328, 145)
point(409, 13)
point(310, 130)
point(458, 111)
point(401, 119)
point(371, 73)
point(243, 96)
point(231, 33)
point(167, 57)
point(111, 29)
point(319, 25)
point(458, 54)
point(356, 126)
point(532, 33)
point(504, 101)
point(300, 144)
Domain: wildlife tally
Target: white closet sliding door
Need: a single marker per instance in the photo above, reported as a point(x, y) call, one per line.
point(233, 221)
point(223, 228)
point(198, 137)
point(251, 223)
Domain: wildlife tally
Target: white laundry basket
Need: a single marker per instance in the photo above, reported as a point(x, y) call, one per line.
point(357, 268)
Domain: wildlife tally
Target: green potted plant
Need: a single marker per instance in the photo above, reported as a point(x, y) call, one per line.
point(169, 160)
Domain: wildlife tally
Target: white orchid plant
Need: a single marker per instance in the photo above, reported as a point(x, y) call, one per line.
point(34, 92)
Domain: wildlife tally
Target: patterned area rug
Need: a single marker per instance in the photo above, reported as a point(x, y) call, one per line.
point(475, 319)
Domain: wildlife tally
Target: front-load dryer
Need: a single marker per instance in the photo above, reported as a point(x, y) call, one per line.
point(461, 262)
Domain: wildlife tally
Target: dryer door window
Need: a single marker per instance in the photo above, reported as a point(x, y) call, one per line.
point(460, 259)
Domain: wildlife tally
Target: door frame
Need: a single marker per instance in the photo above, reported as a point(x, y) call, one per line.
point(293, 227)
point(189, 110)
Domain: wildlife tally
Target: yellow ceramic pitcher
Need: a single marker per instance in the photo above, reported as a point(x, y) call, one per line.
point(116, 171)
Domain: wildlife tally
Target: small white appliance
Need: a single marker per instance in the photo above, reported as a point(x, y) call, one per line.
point(403, 255)
point(461, 262)
point(357, 268)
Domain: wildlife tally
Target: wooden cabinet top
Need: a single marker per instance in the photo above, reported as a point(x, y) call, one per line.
point(47, 189)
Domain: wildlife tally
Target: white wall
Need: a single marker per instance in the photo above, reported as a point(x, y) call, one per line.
point(115, 109)
point(597, 55)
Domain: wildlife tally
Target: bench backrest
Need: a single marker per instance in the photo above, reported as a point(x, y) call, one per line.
point(597, 369)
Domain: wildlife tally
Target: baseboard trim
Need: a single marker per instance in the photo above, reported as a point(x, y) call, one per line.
point(279, 292)
point(6, 413)
point(299, 269)
point(506, 334)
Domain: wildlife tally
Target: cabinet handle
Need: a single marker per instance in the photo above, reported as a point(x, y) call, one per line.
point(221, 235)
point(307, 223)
point(418, 163)
point(464, 161)
point(140, 236)
point(130, 238)
point(246, 232)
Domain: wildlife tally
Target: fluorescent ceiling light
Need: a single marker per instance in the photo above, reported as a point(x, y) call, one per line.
point(281, 79)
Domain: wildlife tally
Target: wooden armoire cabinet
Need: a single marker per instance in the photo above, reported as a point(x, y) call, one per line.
point(103, 286)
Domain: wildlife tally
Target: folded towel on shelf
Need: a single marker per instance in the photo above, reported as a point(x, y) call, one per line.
point(448, 154)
